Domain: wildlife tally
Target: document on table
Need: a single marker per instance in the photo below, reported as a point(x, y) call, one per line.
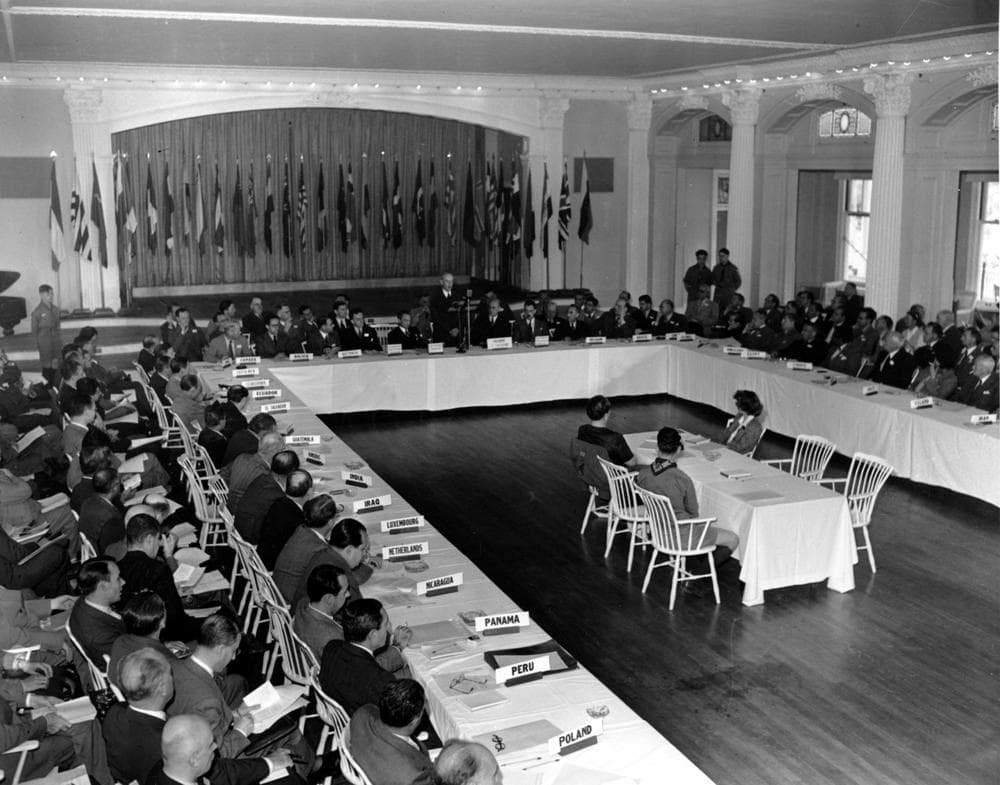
point(135, 444)
point(49, 503)
point(74, 712)
point(134, 465)
point(508, 742)
point(436, 632)
point(192, 556)
point(272, 703)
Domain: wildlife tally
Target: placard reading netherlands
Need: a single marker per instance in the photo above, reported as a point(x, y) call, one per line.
point(345, 354)
point(299, 357)
point(265, 394)
point(373, 504)
point(523, 669)
point(411, 523)
point(499, 343)
point(407, 552)
point(442, 585)
point(257, 384)
point(276, 407)
point(358, 480)
point(243, 373)
point(250, 360)
point(594, 339)
point(578, 738)
point(302, 439)
point(502, 621)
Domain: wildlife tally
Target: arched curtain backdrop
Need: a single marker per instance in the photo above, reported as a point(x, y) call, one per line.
point(333, 137)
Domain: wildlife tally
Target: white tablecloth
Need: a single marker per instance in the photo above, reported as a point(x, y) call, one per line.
point(934, 446)
point(801, 534)
point(629, 747)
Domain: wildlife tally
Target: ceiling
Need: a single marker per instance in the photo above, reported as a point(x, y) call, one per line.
point(597, 38)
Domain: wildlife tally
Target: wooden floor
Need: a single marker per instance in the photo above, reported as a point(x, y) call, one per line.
point(895, 682)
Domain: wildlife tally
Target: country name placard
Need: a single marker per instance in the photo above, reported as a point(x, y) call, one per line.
point(249, 360)
point(314, 457)
point(753, 354)
point(576, 739)
point(300, 439)
point(411, 523)
point(541, 340)
point(347, 354)
point(499, 343)
point(796, 365)
point(393, 348)
point(267, 394)
point(372, 504)
point(245, 373)
point(445, 584)
point(869, 389)
point(525, 670)
point(642, 338)
point(736, 351)
point(595, 339)
point(435, 347)
point(357, 480)
point(922, 403)
point(268, 408)
point(300, 357)
point(983, 419)
point(257, 384)
point(502, 623)
point(407, 552)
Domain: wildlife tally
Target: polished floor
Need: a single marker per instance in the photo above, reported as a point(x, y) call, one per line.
point(895, 682)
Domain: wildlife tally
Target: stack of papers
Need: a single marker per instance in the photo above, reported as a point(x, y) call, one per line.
point(29, 438)
point(134, 465)
point(185, 533)
point(192, 556)
point(74, 712)
point(271, 703)
point(186, 576)
point(49, 503)
point(508, 742)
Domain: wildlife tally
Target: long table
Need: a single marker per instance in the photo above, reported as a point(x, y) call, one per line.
point(791, 531)
point(935, 446)
point(629, 748)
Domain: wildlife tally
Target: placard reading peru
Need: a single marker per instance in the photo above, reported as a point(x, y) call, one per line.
point(299, 357)
point(443, 585)
point(411, 523)
point(243, 373)
point(407, 552)
point(499, 343)
point(267, 408)
point(345, 354)
point(254, 360)
point(594, 339)
point(501, 623)
point(576, 739)
point(358, 480)
point(373, 504)
point(265, 394)
point(257, 384)
point(302, 439)
point(523, 670)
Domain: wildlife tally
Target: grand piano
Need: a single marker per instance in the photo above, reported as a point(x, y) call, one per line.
point(12, 309)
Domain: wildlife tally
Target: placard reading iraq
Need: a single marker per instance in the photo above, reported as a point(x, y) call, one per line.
point(373, 504)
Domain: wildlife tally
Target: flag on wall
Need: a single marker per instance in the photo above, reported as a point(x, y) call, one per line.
point(286, 214)
point(342, 208)
point(386, 225)
point(168, 211)
point(116, 182)
point(57, 243)
point(515, 203)
point(492, 206)
point(78, 215)
point(469, 221)
point(451, 209)
point(131, 220)
point(200, 232)
point(219, 224)
point(239, 221)
point(546, 211)
point(268, 208)
point(352, 205)
point(250, 235)
point(397, 209)
point(303, 203)
point(418, 207)
point(502, 226)
point(151, 215)
point(529, 221)
point(432, 211)
point(586, 216)
point(565, 210)
point(188, 211)
point(322, 222)
point(366, 205)
point(99, 235)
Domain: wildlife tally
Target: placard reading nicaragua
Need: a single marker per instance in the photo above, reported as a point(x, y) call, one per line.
point(372, 504)
point(443, 585)
point(576, 739)
point(408, 552)
point(411, 523)
point(266, 394)
point(243, 373)
point(502, 623)
point(358, 480)
point(525, 670)
point(276, 407)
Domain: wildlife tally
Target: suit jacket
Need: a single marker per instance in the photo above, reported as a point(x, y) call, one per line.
point(814, 352)
point(443, 314)
point(355, 577)
point(482, 329)
point(314, 629)
point(45, 574)
point(837, 334)
point(141, 572)
point(409, 339)
point(746, 437)
point(235, 422)
point(761, 339)
point(242, 472)
point(289, 567)
point(198, 692)
point(159, 385)
point(525, 332)
point(966, 362)
point(610, 327)
point(367, 341)
point(952, 338)
point(243, 441)
point(704, 312)
point(254, 504)
point(190, 344)
point(571, 332)
point(132, 740)
point(95, 630)
point(983, 394)
point(218, 349)
point(215, 445)
point(283, 517)
point(254, 325)
point(726, 277)
point(124, 645)
point(82, 491)
point(146, 360)
point(224, 771)
point(317, 342)
point(384, 757)
point(102, 522)
point(267, 346)
point(351, 676)
point(674, 323)
point(189, 411)
point(895, 371)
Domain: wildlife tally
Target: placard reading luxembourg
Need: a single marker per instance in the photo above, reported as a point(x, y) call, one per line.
point(357, 480)
point(345, 354)
point(576, 739)
point(411, 523)
point(276, 407)
point(243, 373)
point(249, 360)
point(525, 669)
point(373, 504)
point(407, 552)
point(497, 623)
point(442, 585)
point(257, 384)
point(266, 394)
point(302, 439)
point(499, 343)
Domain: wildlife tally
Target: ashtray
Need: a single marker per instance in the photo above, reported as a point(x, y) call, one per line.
point(598, 711)
point(354, 465)
point(469, 617)
point(415, 566)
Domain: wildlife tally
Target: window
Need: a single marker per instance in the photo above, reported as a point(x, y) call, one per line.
point(714, 129)
point(844, 123)
point(989, 241)
point(720, 209)
point(854, 237)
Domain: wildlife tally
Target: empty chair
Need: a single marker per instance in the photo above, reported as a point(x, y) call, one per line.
point(349, 767)
point(810, 457)
point(676, 540)
point(864, 480)
point(625, 513)
point(584, 456)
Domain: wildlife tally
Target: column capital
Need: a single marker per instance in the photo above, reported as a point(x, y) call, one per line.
point(983, 76)
point(640, 113)
point(744, 104)
point(84, 104)
point(891, 93)
point(552, 111)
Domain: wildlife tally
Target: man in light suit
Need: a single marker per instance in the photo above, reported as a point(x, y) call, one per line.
point(380, 737)
point(229, 344)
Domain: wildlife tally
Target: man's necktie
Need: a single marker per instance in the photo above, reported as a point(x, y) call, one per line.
point(232, 350)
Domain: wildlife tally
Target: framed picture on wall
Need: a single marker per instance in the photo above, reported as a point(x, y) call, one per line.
point(722, 190)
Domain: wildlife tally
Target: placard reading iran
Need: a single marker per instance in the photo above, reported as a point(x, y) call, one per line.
point(443, 585)
point(411, 523)
point(751, 354)
point(315, 457)
point(299, 357)
point(372, 504)
point(502, 623)
point(346, 354)
point(524, 670)
point(358, 480)
point(869, 389)
point(435, 347)
point(795, 365)
point(594, 339)
point(257, 384)
point(983, 419)
point(642, 337)
point(499, 343)
point(393, 348)
point(267, 408)
point(249, 360)
point(407, 552)
point(541, 340)
point(266, 394)
point(734, 350)
point(576, 739)
point(922, 403)
point(302, 439)
point(243, 373)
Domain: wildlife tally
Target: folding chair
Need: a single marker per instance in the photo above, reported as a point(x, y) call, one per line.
point(87, 549)
point(349, 767)
point(98, 676)
point(583, 455)
point(625, 512)
point(810, 457)
point(677, 539)
point(865, 478)
point(140, 374)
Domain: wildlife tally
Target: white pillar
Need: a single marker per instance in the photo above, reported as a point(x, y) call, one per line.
point(744, 105)
point(92, 146)
point(664, 278)
point(892, 102)
point(637, 272)
point(551, 119)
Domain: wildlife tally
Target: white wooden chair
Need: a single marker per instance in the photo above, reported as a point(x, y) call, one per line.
point(625, 513)
point(583, 455)
point(676, 540)
point(208, 497)
point(349, 767)
point(140, 374)
point(334, 719)
point(87, 549)
point(864, 481)
point(98, 676)
point(22, 750)
point(171, 436)
point(298, 662)
point(810, 457)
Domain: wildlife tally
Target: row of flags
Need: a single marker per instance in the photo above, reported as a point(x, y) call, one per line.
point(492, 211)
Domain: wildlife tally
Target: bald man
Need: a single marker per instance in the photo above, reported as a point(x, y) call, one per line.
point(250, 466)
point(980, 388)
point(895, 366)
point(467, 763)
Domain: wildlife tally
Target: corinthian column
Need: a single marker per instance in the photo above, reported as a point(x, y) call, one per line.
point(892, 102)
point(640, 117)
point(744, 105)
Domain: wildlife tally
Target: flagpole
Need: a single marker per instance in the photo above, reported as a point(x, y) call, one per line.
point(581, 264)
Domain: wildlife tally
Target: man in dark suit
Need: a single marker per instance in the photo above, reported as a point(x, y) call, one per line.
point(380, 737)
point(315, 619)
point(895, 366)
point(253, 323)
point(273, 342)
point(263, 491)
point(341, 319)
point(187, 340)
point(809, 348)
point(302, 329)
point(971, 349)
point(92, 622)
point(212, 436)
point(248, 439)
point(444, 311)
point(981, 388)
point(147, 354)
point(404, 333)
point(348, 672)
point(951, 335)
point(838, 329)
point(669, 321)
point(237, 398)
point(45, 574)
point(283, 517)
point(617, 323)
point(757, 336)
point(361, 336)
point(491, 324)
point(529, 325)
point(556, 324)
point(572, 328)
point(158, 379)
point(324, 339)
point(101, 519)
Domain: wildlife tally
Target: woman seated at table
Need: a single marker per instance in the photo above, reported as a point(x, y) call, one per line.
point(745, 430)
